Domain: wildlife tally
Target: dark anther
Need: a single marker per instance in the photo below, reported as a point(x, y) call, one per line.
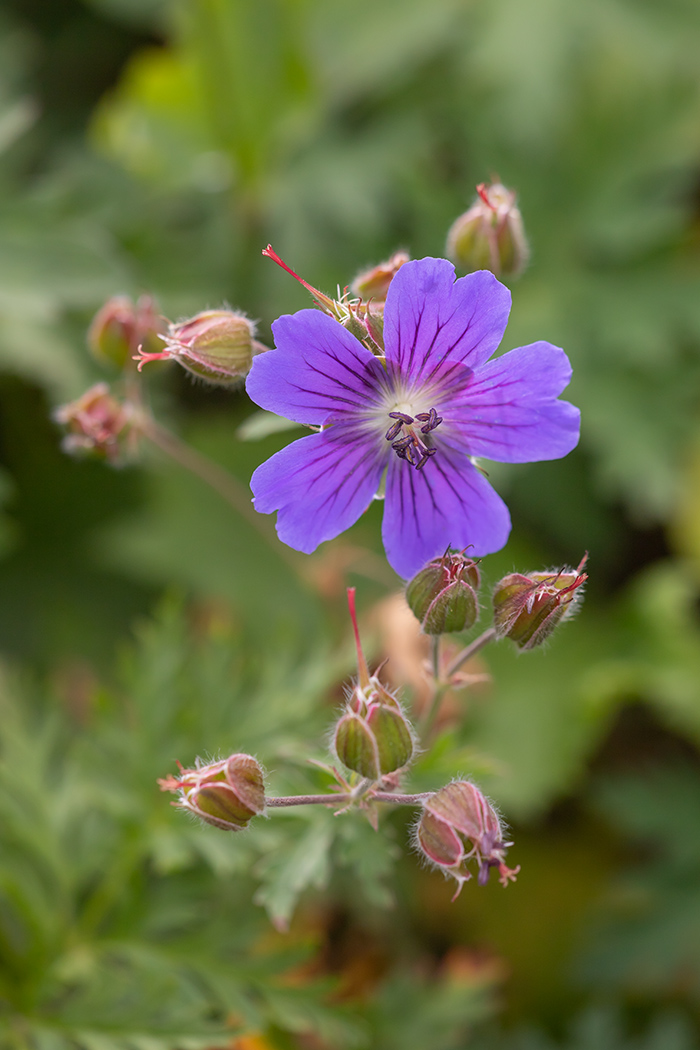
point(433, 420)
point(402, 416)
point(427, 453)
point(393, 430)
point(403, 443)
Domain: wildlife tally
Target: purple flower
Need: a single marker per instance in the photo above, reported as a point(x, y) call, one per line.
point(420, 416)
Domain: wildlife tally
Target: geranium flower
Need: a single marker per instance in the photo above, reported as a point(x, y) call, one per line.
point(417, 418)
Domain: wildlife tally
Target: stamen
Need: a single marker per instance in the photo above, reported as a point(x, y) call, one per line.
point(411, 447)
point(425, 457)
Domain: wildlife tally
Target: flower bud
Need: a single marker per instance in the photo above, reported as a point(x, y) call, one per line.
point(490, 235)
point(120, 328)
point(443, 594)
point(98, 425)
point(226, 794)
point(527, 607)
point(374, 283)
point(373, 736)
point(216, 345)
point(458, 823)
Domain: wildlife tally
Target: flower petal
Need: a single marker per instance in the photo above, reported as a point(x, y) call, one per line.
point(320, 484)
point(430, 318)
point(508, 411)
point(446, 504)
point(318, 370)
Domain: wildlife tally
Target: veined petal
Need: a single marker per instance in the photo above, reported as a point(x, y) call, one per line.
point(509, 409)
point(320, 484)
point(431, 319)
point(446, 504)
point(318, 370)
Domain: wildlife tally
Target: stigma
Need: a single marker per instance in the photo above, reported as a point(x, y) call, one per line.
point(405, 433)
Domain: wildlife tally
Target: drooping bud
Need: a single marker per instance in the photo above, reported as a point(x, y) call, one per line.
point(373, 736)
point(374, 283)
point(98, 425)
point(459, 824)
point(120, 327)
point(227, 794)
point(215, 345)
point(443, 594)
point(527, 607)
point(490, 235)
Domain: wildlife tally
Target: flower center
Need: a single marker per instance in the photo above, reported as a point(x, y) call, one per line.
point(407, 442)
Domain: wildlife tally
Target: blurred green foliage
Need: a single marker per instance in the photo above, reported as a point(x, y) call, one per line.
point(158, 146)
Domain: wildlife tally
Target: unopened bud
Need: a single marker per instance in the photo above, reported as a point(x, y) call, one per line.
point(98, 425)
point(490, 235)
point(527, 607)
point(227, 794)
point(443, 594)
point(459, 824)
point(215, 345)
point(373, 737)
point(374, 283)
point(120, 327)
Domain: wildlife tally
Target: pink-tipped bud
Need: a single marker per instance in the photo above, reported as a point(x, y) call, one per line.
point(490, 235)
point(527, 607)
point(374, 283)
point(120, 328)
point(227, 794)
point(215, 345)
point(459, 824)
point(443, 595)
point(373, 736)
point(98, 425)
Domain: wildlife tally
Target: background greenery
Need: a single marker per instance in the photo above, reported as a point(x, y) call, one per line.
point(156, 145)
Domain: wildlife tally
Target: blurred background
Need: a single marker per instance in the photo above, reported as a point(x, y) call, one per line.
point(156, 146)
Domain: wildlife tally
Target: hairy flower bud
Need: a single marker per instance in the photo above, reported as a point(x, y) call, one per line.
point(443, 594)
point(98, 425)
point(490, 235)
point(215, 345)
point(459, 824)
point(374, 283)
point(120, 328)
point(227, 794)
point(373, 736)
point(527, 607)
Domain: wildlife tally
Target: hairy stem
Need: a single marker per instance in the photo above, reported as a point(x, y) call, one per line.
point(442, 681)
point(472, 649)
point(328, 800)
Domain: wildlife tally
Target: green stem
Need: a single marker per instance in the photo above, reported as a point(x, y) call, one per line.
point(442, 683)
point(472, 649)
point(228, 487)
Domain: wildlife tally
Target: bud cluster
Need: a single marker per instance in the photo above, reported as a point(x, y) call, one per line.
point(373, 736)
point(227, 794)
point(459, 824)
point(443, 595)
